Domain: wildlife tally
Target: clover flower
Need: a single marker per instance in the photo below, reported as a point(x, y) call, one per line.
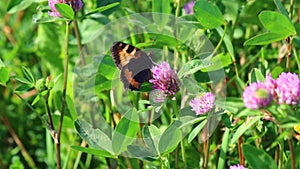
point(238, 166)
point(165, 79)
point(271, 84)
point(203, 104)
point(257, 95)
point(75, 4)
point(188, 7)
point(288, 88)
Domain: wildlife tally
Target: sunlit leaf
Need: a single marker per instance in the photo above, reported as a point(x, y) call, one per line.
point(191, 67)
point(208, 14)
point(18, 5)
point(28, 75)
point(125, 132)
point(277, 23)
point(223, 149)
point(159, 10)
point(281, 8)
point(151, 136)
point(258, 158)
point(170, 138)
point(96, 152)
point(4, 76)
point(65, 10)
point(102, 8)
point(196, 131)
point(142, 152)
point(243, 128)
point(94, 137)
point(218, 62)
point(265, 38)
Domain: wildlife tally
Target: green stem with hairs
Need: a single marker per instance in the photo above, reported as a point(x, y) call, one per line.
point(66, 60)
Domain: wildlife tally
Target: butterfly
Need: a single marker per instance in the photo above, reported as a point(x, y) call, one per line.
point(135, 65)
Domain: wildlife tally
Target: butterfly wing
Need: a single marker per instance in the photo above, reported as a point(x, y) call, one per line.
point(134, 64)
point(122, 53)
point(137, 71)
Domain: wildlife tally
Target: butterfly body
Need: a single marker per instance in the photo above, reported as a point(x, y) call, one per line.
point(134, 64)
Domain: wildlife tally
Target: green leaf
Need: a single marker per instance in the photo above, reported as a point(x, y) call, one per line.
point(160, 9)
point(257, 158)
point(99, 153)
point(161, 6)
point(223, 149)
point(23, 87)
point(16, 163)
point(188, 124)
point(191, 67)
point(196, 131)
point(208, 14)
point(1, 63)
point(265, 38)
point(170, 138)
point(226, 120)
point(277, 23)
point(125, 132)
point(94, 137)
point(297, 158)
point(191, 85)
point(277, 70)
point(23, 80)
point(227, 41)
point(36, 99)
point(248, 112)
point(42, 17)
point(243, 128)
point(151, 136)
point(218, 62)
point(141, 152)
point(71, 108)
point(281, 8)
point(40, 85)
point(65, 10)
point(102, 8)
point(28, 75)
point(187, 116)
point(107, 67)
point(67, 123)
point(234, 104)
point(257, 76)
point(18, 5)
point(4, 76)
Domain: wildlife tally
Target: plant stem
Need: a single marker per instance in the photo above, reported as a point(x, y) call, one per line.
point(79, 45)
point(206, 153)
point(50, 123)
point(66, 60)
point(291, 8)
point(221, 40)
point(83, 144)
point(183, 153)
point(297, 60)
point(177, 8)
point(241, 156)
point(280, 150)
point(292, 153)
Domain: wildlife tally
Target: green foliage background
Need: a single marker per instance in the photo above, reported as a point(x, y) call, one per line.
point(31, 51)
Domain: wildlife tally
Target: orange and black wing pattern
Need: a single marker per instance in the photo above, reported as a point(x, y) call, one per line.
point(134, 64)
